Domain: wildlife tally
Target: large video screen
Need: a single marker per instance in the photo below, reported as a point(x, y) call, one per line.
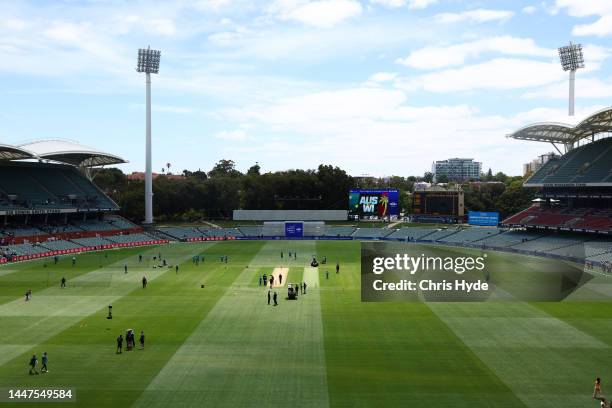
point(483, 218)
point(374, 203)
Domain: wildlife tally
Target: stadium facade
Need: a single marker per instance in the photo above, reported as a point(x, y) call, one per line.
point(574, 189)
point(50, 206)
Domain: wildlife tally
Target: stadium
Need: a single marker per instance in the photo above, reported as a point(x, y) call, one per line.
point(211, 340)
point(300, 287)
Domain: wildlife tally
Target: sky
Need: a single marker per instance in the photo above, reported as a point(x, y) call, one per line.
point(377, 87)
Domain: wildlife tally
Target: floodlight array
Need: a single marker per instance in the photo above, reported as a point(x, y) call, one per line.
point(571, 57)
point(148, 61)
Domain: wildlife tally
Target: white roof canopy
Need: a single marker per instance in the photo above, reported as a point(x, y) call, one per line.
point(599, 122)
point(8, 152)
point(70, 152)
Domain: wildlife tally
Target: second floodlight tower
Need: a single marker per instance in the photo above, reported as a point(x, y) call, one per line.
point(148, 62)
point(571, 60)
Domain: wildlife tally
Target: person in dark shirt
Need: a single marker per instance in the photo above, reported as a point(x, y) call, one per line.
point(142, 339)
point(119, 344)
point(304, 288)
point(63, 285)
point(45, 360)
point(144, 282)
point(268, 298)
point(275, 296)
point(33, 363)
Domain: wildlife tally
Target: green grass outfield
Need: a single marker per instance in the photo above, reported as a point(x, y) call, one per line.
point(223, 346)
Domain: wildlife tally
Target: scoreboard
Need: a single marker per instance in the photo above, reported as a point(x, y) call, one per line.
point(374, 203)
point(442, 204)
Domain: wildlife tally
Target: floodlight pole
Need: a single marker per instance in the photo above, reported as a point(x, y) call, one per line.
point(148, 62)
point(572, 82)
point(148, 168)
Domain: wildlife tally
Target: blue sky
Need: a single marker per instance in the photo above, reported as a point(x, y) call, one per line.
point(376, 87)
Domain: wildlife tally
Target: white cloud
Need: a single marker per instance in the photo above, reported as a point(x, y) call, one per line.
point(232, 135)
point(383, 77)
point(453, 55)
point(529, 9)
point(342, 122)
point(320, 13)
point(212, 5)
point(126, 24)
point(412, 4)
point(476, 16)
point(585, 8)
point(600, 28)
point(593, 88)
point(496, 74)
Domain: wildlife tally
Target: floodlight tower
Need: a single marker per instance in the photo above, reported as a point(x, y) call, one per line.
point(148, 62)
point(571, 60)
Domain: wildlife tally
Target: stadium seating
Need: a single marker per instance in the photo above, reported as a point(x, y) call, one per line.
point(372, 232)
point(603, 258)
point(411, 234)
point(470, 235)
point(509, 238)
point(251, 230)
point(182, 232)
point(224, 232)
point(314, 229)
point(59, 245)
point(119, 223)
point(574, 218)
point(338, 231)
point(94, 225)
point(38, 185)
point(127, 238)
point(548, 243)
point(22, 232)
point(91, 242)
point(589, 163)
point(23, 249)
point(440, 234)
point(272, 229)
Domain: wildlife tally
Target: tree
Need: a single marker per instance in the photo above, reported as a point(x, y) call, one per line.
point(514, 199)
point(224, 168)
point(254, 170)
point(442, 178)
point(428, 177)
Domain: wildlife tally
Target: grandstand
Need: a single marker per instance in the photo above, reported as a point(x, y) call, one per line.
point(373, 233)
point(51, 206)
point(337, 231)
point(411, 234)
point(574, 191)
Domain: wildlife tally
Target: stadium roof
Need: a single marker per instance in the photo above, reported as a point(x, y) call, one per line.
point(70, 152)
point(8, 152)
point(599, 122)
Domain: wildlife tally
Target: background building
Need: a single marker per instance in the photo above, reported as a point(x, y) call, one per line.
point(456, 169)
point(536, 164)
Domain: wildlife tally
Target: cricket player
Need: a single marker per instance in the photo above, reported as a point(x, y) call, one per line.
point(45, 360)
point(33, 364)
point(597, 390)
